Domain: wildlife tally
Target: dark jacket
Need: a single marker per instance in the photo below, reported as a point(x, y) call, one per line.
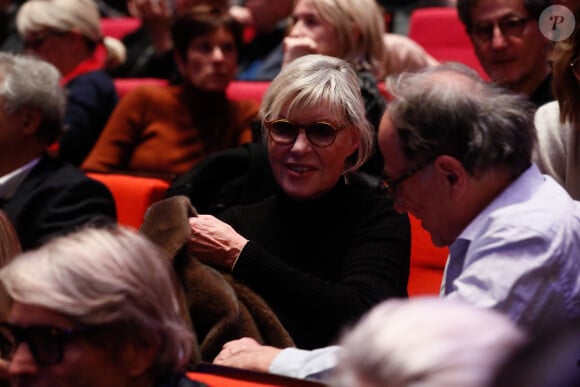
point(56, 198)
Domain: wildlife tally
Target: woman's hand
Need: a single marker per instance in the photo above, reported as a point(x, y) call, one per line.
point(246, 353)
point(295, 47)
point(215, 242)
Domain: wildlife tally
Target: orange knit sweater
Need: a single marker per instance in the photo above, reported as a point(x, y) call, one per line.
point(168, 129)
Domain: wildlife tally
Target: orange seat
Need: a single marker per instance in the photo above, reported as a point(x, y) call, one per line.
point(118, 27)
point(427, 262)
point(132, 194)
point(440, 32)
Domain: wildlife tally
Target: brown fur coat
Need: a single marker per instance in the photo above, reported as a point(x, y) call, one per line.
point(220, 307)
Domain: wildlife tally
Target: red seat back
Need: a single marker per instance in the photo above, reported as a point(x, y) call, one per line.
point(440, 32)
point(427, 262)
point(125, 85)
point(132, 194)
point(118, 27)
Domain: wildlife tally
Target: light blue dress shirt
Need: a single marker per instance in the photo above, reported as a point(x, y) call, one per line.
point(520, 255)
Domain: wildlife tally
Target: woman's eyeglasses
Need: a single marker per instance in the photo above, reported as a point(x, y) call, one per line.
point(36, 41)
point(46, 343)
point(512, 26)
point(320, 134)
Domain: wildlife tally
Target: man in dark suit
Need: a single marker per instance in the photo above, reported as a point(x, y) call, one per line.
point(42, 197)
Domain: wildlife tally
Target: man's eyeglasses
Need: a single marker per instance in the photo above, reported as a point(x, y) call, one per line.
point(389, 186)
point(320, 134)
point(512, 26)
point(46, 343)
point(575, 64)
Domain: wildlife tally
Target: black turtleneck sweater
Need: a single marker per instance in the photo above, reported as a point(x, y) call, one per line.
point(320, 264)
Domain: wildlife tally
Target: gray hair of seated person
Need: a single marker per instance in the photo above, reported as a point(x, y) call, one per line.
point(319, 80)
point(28, 82)
point(448, 109)
point(426, 341)
point(107, 276)
point(464, 7)
point(359, 26)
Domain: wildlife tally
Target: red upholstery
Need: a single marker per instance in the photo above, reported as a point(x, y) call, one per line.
point(133, 195)
point(124, 85)
point(247, 90)
point(118, 27)
point(440, 32)
point(217, 376)
point(427, 262)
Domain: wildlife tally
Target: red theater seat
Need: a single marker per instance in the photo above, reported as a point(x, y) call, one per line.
point(118, 27)
point(124, 85)
point(427, 262)
point(132, 194)
point(247, 90)
point(440, 32)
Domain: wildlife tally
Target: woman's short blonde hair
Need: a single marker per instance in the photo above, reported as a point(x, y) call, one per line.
point(81, 16)
point(320, 80)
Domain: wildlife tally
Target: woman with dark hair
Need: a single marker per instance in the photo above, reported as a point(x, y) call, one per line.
point(166, 130)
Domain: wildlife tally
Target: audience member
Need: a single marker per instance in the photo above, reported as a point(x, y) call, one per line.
point(67, 34)
point(558, 123)
point(426, 342)
point(95, 308)
point(166, 130)
point(9, 248)
point(325, 248)
point(9, 39)
point(41, 196)
point(404, 55)
point(458, 158)
point(509, 44)
point(348, 29)
point(261, 57)
point(9, 243)
point(551, 359)
point(150, 46)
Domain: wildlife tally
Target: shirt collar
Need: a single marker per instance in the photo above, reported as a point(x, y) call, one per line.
point(10, 182)
point(514, 193)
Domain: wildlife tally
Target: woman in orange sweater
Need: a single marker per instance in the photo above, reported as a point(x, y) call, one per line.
point(165, 130)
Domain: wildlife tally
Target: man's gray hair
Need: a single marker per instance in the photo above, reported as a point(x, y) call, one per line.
point(30, 82)
point(109, 276)
point(448, 109)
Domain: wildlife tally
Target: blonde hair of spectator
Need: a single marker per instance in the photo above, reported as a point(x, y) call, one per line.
point(426, 341)
point(320, 80)
point(359, 27)
point(81, 16)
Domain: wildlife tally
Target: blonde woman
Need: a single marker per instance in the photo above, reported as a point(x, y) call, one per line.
point(351, 30)
point(67, 34)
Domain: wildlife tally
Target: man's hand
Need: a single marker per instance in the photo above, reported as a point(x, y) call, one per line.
point(246, 353)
